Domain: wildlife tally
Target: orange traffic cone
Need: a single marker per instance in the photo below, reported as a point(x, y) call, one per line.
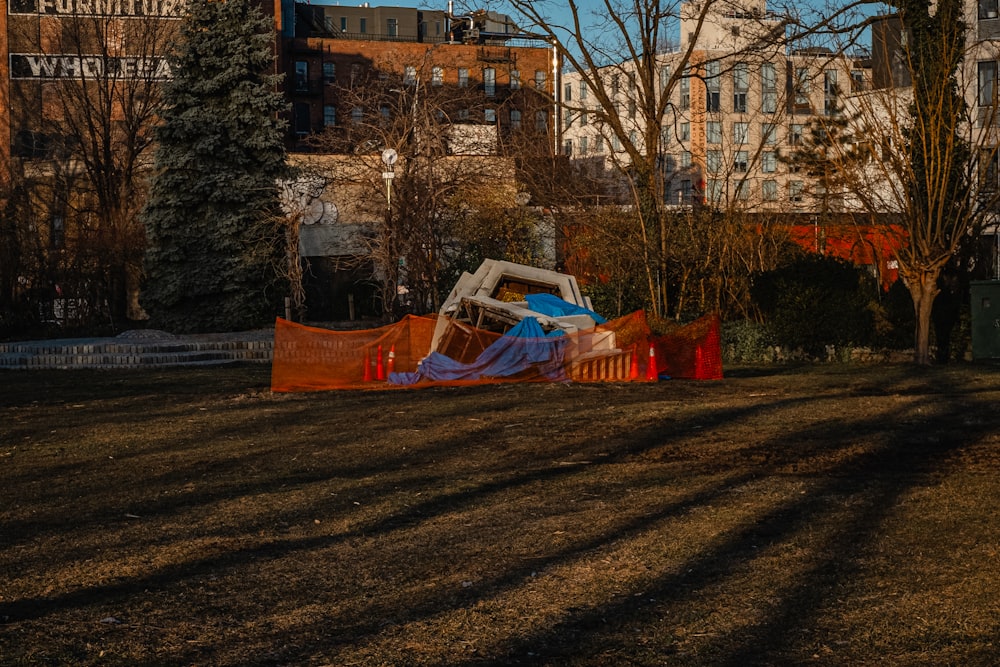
point(368, 367)
point(651, 366)
point(390, 365)
point(379, 369)
point(633, 370)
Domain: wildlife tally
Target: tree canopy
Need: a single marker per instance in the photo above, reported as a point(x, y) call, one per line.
point(213, 219)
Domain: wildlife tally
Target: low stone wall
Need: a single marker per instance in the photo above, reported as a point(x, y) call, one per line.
point(145, 348)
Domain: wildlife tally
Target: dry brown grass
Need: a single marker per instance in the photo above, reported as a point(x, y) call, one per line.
point(811, 515)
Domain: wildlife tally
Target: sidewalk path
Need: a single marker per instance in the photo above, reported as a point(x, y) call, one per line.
point(144, 348)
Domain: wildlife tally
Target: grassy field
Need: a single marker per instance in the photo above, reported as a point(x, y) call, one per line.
point(820, 515)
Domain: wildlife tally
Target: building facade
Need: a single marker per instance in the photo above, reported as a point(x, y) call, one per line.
point(342, 63)
point(733, 120)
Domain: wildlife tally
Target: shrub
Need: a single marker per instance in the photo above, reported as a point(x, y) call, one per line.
point(746, 342)
point(816, 301)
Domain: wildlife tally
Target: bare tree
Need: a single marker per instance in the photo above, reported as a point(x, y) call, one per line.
point(621, 45)
point(97, 118)
point(446, 170)
point(24, 256)
point(923, 162)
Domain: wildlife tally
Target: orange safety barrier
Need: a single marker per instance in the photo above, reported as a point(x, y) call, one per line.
point(623, 350)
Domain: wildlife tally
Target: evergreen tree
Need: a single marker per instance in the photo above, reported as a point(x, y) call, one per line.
point(215, 245)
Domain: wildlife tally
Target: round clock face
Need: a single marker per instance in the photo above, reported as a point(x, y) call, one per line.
point(389, 156)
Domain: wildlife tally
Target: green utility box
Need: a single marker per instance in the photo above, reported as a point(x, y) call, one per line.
point(985, 311)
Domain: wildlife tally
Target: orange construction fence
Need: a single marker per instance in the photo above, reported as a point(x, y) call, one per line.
point(622, 350)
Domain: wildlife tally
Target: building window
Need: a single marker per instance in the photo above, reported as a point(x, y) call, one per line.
point(490, 81)
point(392, 27)
point(515, 119)
point(541, 121)
point(57, 235)
point(713, 190)
point(664, 77)
point(583, 89)
point(616, 83)
point(633, 138)
point(540, 79)
point(741, 83)
point(713, 132)
point(357, 115)
point(437, 76)
point(857, 81)
point(568, 147)
point(769, 190)
point(684, 193)
point(713, 161)
point(987, 83)
point(686, 91)
point(739, 102)
point(567, 119)
point(616, 143)
point(410, 75)
point(830, 92)
point(795, 134)
point(490, 116)
point(768, 162)
point(343, 24)
point(463, 77)
point(463, 115)
point(385, 114)
point(583, 145)
point(768, 134)
point(301, 75)
point(515, 79)
point(795, 189)
point(329, 115)
point(363, 28)
point(801, 88)
point(740, 162)
point(631, 109)
point(988, 9)
point(740, 133)
point(769, 89)
point(685, 131)
point(685, 159)
point(583, 119)
point(712, 87)
point(330, 72)
point(568, 92)
point(355, 73)
point(742, 191)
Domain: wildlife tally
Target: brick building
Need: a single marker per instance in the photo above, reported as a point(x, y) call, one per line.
point(50, 46)
point(495, 75)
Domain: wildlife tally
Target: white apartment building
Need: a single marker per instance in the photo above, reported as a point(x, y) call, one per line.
point(734, 119)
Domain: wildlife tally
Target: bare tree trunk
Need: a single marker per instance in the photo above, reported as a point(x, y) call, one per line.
point(923, 289)
point(294, 268)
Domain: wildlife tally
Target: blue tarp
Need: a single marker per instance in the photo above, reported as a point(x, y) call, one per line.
point(524, 346)
point(553, 306)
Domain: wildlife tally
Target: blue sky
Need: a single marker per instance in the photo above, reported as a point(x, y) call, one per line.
point(594, 23)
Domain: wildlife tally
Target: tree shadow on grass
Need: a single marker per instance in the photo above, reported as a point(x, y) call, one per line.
point(872, 479)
